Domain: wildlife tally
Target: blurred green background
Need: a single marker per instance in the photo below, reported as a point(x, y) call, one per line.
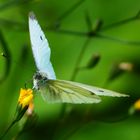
point(67, 25)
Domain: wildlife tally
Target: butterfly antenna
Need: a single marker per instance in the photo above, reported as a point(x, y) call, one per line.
point(25, 85)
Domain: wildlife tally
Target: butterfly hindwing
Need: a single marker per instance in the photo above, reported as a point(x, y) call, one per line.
point(40, 47)
point(73, 92)
point(60, 91)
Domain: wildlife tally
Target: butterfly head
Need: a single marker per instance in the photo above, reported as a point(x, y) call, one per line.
point(39, 79)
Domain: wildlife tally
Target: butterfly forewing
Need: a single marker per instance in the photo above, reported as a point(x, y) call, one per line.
point(40, 47)
point(60, 91)
point(97, 90)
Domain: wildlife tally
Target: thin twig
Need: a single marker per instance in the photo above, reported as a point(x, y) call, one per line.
point(75, 72)
point(10, 126)
point(7, 52)
point(70, 10)
point(9, 23)
point(119, 23)
point(12, 3)
point(68, 32)
point(79, 59)
point(136, 43)
point(96, 34)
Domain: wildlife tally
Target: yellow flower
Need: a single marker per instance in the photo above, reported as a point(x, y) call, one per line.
point(137, 104)
point(26, 97)
point(25, 102)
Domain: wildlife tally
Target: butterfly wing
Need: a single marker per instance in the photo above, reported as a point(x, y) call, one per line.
point(40, 47)
point(96, 90)
point(58, 91)
point(73, 92)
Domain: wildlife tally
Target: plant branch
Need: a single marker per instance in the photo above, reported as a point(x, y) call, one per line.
point(79, 59)
point(119, 23)
point(70, 10)
point(7, 52)
point(10, 126)
point(13, 3)
point(136, 43)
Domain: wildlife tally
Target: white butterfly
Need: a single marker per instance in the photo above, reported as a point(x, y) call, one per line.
point(45, 81)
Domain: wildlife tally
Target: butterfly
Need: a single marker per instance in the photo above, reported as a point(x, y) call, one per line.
point(44, 80)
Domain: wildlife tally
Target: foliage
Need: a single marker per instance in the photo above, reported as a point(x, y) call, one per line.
point(93, 42)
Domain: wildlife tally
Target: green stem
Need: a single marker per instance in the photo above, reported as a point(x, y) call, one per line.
point(79, 59)
point(10, 126)
point(6, 51)
point(75, 72)
point(136, 43)
point(119, 23)
point(18, 135)
point(69, 11)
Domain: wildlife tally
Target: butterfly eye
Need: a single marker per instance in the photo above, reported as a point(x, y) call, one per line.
point(45, 79)
point(38, 76)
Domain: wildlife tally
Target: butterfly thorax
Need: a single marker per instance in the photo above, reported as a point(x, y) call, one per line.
point(39, 79)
